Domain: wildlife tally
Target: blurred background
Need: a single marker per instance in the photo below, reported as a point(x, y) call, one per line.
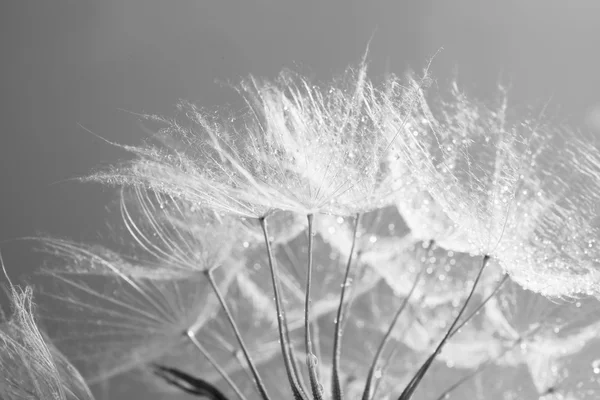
point(69, 65)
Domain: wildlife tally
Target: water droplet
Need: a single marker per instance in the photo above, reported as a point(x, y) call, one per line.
point(596, 366)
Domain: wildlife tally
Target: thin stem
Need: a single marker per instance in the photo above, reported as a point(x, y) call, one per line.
point(388, 335)
point(257, 380)
point(293, 378)
point(311, 360)
point(392, 354)
point(317, 341)
point(293, 360)
point(192, 336)
point(239, 356)
point(414, 382)
point(480, 306)
point(384, 368)
point(336, 388)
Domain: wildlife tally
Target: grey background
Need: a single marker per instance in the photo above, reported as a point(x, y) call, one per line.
point(69, 62)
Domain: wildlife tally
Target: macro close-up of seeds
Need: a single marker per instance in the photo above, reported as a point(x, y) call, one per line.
point(363, 230)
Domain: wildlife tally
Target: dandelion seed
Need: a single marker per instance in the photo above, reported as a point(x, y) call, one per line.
point(32, 368)
point(110, 313)
point(297, 148)
point(519, 191)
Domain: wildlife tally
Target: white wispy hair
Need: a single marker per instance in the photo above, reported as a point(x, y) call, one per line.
point(447, 273)
point(562, 368)
point(297, 147)
point(521, 190)
point(177, 235)
point(32, 368)
point(255, 316)
point(108, 322)
point(112, 311)
point(555, 340)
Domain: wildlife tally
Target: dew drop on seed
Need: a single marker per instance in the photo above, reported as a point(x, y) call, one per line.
point(596, 366)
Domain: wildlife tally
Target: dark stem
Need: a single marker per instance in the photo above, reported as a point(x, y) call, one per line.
point(293, 359)
point(192, 336)
point(384, 368)
point(388, 334)
point(293, 378)
point(336, 388)
point(414, 382)
point(311, 359)
point(480, 306)
point(187, 383)
point(316, 342)
point(257, 380)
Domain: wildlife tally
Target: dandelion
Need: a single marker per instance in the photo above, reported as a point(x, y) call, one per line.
point(521, 191)
point(32, 368)
point(351, 241)
point(297, 149)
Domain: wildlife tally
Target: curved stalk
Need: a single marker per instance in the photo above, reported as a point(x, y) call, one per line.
point(480, 306)
point(192, 336)
point(369, 382)
point(311, 360)
point(414, 382)
point(257, 380)
point(293, 360)
point(336, 388)
point(293, 378)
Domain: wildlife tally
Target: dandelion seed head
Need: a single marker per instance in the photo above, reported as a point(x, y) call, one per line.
point(297, 148)
point(519, 190)
point(414, 190)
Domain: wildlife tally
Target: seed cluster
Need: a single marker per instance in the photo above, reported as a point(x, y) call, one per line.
point(339, 241)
